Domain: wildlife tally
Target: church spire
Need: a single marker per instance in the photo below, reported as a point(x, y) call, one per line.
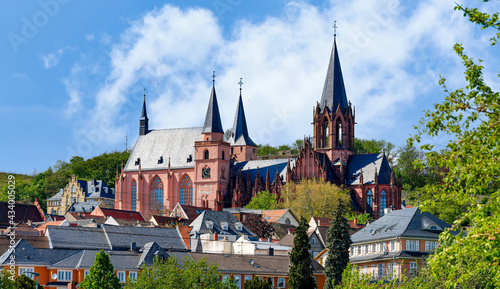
point(239, 134)
point(334, 94)
point(213, 122)
point(144, 120)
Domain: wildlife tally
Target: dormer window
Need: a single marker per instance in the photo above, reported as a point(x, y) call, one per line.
point(224, 225)
point(239, 226)
point(189, 159)
point(137, 161)
point(160, 160)
point(210, 225)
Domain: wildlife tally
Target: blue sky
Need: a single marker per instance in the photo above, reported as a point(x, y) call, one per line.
point(74, 72)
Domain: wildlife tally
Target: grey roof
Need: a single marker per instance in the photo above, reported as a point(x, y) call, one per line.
point(410, 223)
point(25, 254)
point(334, 90)
point(212, 119)
point(83, 207)
point(368, 163)
point(176, 144)
point(97, 189)
point(239, 132)
point(217, 217)
point(56, 197)
point(388, 256)
point(113, 237)
point(261, 166)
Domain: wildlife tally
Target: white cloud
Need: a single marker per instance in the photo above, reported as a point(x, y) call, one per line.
point(90, 37)
point(52, 59)
point(390, 54)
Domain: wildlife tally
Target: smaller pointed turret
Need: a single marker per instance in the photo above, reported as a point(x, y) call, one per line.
point(144, 120)
point(239, 133)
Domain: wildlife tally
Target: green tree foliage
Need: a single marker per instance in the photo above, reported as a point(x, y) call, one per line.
point(258, 225)
point(265, 150)
point(353, 278)
point(373, 146)
point(25, 282)
point(338, 243)
point(102, 274)
point(257, 283)
point(169, 274)
point(471, 117)
point(263, 201)
point(362, 218)
point(300, 272)
point(101, 167)
point(313, 197)
point(5, 281)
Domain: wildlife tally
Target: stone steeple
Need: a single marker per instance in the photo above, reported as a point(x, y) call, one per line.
point(213, 122)
point(144, 120)
point(239, 133)
point(334, 91)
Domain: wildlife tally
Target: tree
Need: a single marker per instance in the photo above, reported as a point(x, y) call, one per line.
point(300, 272)
point(265, 150)
point(470, 116)
point(362, 218)
point(313, 197)
point(338, 243)
point(24, 282)
point(263, 200)
point(102, 274)
point(170, 274)
point(373, 146)
point(257, 283)
point(258, 225)
point(5, 281)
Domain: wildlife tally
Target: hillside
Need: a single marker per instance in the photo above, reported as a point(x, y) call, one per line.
point(19, 177)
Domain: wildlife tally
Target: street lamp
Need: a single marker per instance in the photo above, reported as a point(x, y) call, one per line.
point(37, 277)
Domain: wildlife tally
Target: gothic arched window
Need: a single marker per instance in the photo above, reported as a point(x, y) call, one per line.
point(339, 135)
point(133, 199)
point(369, 200)
point(383, 202)
point(206, 156)
point(223, 155)
point(156, 192)
point(186, 191)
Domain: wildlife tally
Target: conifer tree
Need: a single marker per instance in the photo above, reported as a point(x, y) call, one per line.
point(337, 242)
point(300, 272)
point(102, 274)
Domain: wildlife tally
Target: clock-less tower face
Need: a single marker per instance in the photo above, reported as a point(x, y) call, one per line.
point(205, 173)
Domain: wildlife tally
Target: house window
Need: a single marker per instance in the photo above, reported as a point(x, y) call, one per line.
point(413, 268)
point(412, 245)
point(287, 221)
point(313, 241)
point(383, 202)
point(359, 250)
point(23, 270)
point(226, 277)
point(248, 278)
point(64, 275)
point(133, 198)
point(232, 150)
point(132, 276)
point(73, 189)
point(374, 248)
point(270, 280)
point(381, 270)
point(121, 276)
point(156, 193)
point(281, 282)
point(207, 155)
point(369, 201)
point(382, 247)
point(223, 155)
point(365, 269)
point(430, 245)
point(367, 249)
point(186, 191)
point(85, 273)
point(237, 281)
point(373, 271)
point(393, 246)
point(391, 270)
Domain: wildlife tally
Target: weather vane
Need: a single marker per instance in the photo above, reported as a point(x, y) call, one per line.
point(241, 82)
point(213, 77)
point(335, 28)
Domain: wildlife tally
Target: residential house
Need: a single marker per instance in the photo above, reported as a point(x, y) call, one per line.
point(187, 212)
point(23, 213)
point(81, 191)
point(397, 243)
point(171, 222)
point(315, 241)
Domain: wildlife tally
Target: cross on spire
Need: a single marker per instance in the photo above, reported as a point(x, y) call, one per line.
point(335, 29)
point(144, 93)
point(240, 83)
point(213, 78)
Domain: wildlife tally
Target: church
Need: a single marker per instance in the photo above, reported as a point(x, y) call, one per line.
point(197, 166)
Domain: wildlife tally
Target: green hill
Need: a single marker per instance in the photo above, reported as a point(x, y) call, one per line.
point(4, 178)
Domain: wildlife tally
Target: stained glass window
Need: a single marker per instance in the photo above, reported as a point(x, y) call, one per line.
point(369, 200)
point(156, 192)
point(383, 202)
point(134, 196)
point(186, 191)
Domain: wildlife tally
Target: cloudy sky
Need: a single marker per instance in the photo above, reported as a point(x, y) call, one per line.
point(74, 72)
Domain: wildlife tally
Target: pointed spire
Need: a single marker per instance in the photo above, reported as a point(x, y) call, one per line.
point(144, 120)
point(240, 131)
point(212, 119)
point(334, 90)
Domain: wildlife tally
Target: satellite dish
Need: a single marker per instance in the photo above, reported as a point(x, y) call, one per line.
point(54, 276)
point(251, 261)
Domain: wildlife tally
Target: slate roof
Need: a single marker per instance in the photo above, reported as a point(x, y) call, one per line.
point(239, 132)
point(83, 207)
point(388, 256)
point(334, 89)
point(212, 118)
point(23, 213)
point(176, 144)
point(410, 223)
point(263, 264)
point(26, 254)
point(200, 224)
point(113, 237)
point(368, 163)
point(261, 166)
point(56, 197)
point(97, 189)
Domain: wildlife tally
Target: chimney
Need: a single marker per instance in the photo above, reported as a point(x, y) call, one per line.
point(133, 246)
point(319, 223)
point(355, 222)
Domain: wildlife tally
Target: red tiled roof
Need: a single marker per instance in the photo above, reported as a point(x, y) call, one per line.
point(185, 230)
point(272, 216)
point(118, 214)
